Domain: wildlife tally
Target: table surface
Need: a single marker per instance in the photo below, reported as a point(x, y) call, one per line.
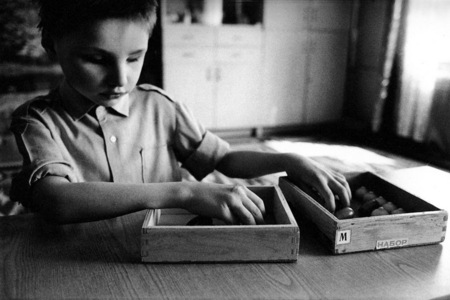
point(102, 260)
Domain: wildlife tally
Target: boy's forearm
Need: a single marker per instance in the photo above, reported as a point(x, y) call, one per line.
point(65, 202)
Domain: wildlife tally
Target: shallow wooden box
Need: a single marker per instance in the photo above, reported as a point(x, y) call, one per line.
point(422, 224)
point(165, 236)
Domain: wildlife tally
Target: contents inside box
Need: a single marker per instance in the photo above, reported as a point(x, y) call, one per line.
point(169, 218)
point(275, 213)
point(372, 196)
point(374, 204)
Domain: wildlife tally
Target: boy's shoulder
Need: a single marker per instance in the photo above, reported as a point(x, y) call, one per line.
point(38, 104)
point(151, 89)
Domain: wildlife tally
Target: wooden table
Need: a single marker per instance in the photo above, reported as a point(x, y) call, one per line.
point(102, 260)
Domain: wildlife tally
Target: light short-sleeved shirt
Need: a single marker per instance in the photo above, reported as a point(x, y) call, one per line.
point(145, 138)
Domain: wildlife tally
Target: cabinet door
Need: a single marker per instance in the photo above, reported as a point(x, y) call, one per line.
point(284, 78)
point(188, 36)
point(238, 88)
point(286, 14)
point(191, 84)
point(239, 36)
point(188, 77)
point(327, 61)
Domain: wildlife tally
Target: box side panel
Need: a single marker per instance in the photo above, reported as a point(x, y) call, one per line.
point(151, 218)
point(378, 233)
point(308, 207)
point(211, 244)
point(281, 210)
point(266, 193)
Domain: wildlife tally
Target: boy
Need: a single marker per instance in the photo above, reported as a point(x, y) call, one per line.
point(99, 146)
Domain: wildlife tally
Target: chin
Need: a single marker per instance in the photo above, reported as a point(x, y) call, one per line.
point(108, 101)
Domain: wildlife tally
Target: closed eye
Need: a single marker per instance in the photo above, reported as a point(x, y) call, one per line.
point(134, 59)
point(94, 59)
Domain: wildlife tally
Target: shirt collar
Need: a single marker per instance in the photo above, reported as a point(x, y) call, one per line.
point(78, 106)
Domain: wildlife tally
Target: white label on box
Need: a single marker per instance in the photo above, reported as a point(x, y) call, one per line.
point(394, 243)
point(343, 237)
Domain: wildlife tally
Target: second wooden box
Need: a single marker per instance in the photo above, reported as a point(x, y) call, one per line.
point(422, 224)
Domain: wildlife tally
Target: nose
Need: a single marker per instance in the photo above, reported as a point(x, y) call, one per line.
point(117, 75)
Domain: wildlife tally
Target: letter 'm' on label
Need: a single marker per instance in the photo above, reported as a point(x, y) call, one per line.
point(343, 237)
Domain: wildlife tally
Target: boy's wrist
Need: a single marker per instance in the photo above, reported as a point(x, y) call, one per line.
point(184, 194)
point(287, 161)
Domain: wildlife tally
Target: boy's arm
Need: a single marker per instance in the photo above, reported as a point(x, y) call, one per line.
point(248, 164)
point(65, 202)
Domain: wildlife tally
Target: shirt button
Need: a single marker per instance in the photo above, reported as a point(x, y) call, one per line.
point(113, 139)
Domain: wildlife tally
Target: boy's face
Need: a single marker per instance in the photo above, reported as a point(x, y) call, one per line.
point(103, 61)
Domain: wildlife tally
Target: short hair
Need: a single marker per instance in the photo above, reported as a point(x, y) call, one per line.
point(60, 17)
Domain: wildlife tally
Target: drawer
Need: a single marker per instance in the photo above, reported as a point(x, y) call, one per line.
point(189, 54)
point(243, 55)
point(181, 35)
point(239, 36)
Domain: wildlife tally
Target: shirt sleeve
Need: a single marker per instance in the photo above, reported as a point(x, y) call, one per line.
point(41, 155)
point(199, 150)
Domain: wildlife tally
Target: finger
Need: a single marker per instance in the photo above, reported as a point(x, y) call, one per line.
point(243, 214)
point(257, 201)
point(257, 204)
point(342, 180)
point(240, 204)
point(327, 195)
point(228, 217)
point(250, 205)
point(340, 190)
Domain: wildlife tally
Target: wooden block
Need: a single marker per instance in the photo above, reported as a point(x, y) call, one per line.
point(422, 224)
point(166, 237)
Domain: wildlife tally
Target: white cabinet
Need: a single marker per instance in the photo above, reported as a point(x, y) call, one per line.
point(238, 88)
point(288, 70)
point(286, 15)
point(283, 78)
point(305, 57)
point(215, 71)
point(188, 68)
point(189, 81)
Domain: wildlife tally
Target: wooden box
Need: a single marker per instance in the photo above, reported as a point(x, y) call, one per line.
point(165, 236)
point(422, 224)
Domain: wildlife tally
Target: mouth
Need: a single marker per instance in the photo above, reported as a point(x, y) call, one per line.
point(112, 96)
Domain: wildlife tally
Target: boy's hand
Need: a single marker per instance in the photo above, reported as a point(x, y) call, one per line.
point(326, 182)
point(232, 204)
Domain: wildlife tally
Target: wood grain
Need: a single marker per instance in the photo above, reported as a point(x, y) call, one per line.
point(102, 260)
